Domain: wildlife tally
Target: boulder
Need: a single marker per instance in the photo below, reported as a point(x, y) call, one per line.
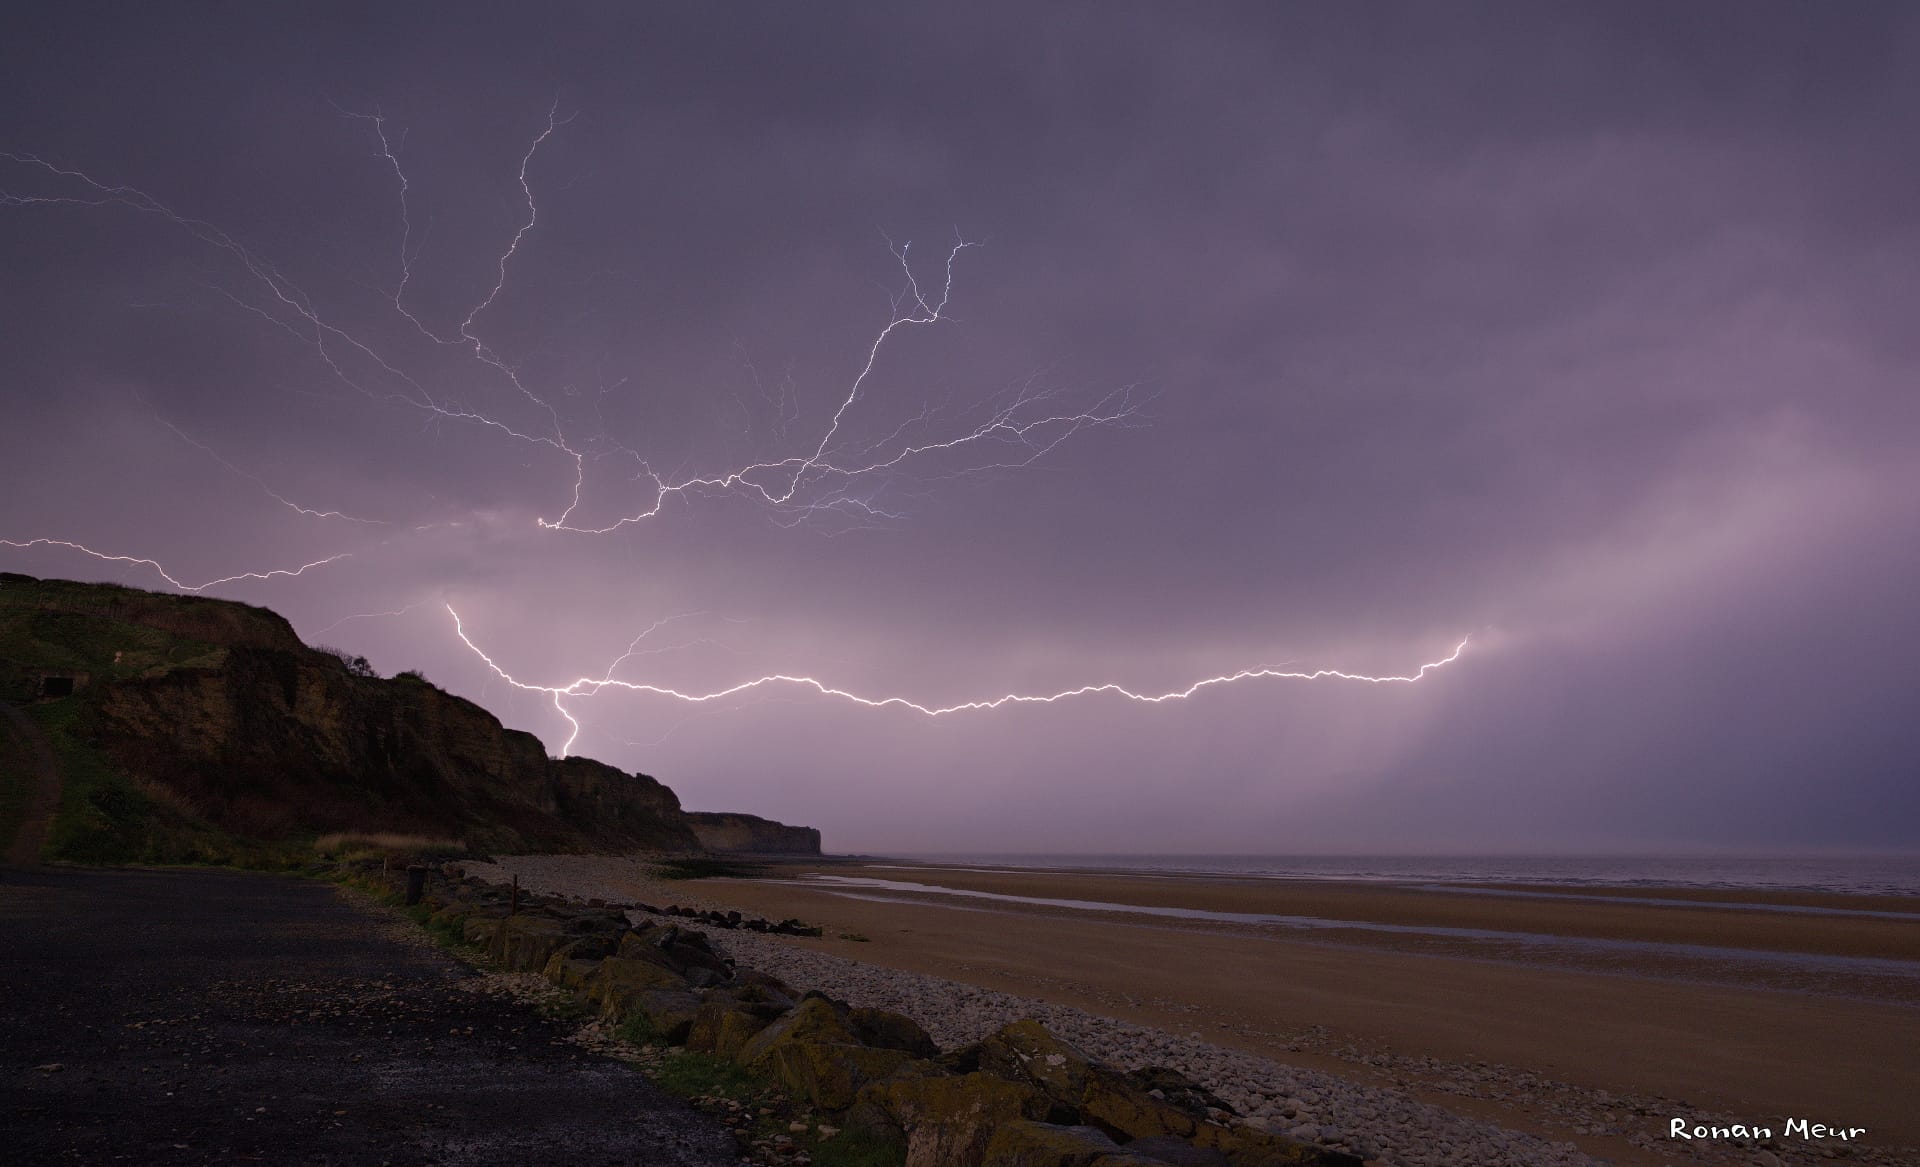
point(885, 1029)
point(594, 947)
point(1025, 1143)
point(753, 985)
point(1024, 1051)
point(1244, 1146)
point(726, 1023)
point(1116, 1105)
point(677, 948)
point(1179, 1090)
point(570, 974)
point(1177, 1152)
point(812, 1020)
point(523, 943)
point(1080, 1090)
point(617, 983)
point(948, 1120)
point(961, 1059)
point(830, 1074)
point(814, 1051)
point(669, 1012)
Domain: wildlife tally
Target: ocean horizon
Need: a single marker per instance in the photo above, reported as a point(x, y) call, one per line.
point(1844, 874)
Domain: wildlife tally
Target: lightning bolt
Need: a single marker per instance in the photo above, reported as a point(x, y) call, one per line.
point(162, 572)
point(828, 476)
point(275, 495)
point(833, 472)
point(370, 616)
point(588, 686)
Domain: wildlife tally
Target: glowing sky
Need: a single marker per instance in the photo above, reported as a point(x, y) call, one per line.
point(1298, 339)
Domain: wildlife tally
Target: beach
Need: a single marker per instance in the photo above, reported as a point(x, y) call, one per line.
point(1587, 1019)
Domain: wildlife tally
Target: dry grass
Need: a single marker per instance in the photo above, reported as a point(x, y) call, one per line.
point(161, 794)
point(347, 843)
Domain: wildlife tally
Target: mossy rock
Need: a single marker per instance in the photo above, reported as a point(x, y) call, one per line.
point(725, 1024)
point(618, 982)
point(1177, 1152)
point(766, 987)
point(595, 946)
point(669, 1012)
point(675, 948)
point(1023, 1143)
point(1024, 1051)
point(961, 1059)
point(829, 1074)
point(1180, 1090)
point(1115, 1104)
point(812, 1020)
point(886, 1029)
point(948, 1119)
point(524, 943)
point(566, 973)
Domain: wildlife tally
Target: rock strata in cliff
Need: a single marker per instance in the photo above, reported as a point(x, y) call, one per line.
point(745, 834)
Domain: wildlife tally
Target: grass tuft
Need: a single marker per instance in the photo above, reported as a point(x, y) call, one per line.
point(697, 1075)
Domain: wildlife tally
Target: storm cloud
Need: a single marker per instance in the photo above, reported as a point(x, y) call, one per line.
point(1583, 332)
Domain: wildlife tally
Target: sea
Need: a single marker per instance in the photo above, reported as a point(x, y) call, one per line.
point(1845, 874)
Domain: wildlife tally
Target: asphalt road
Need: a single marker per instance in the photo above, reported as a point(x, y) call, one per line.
point(203, 1017)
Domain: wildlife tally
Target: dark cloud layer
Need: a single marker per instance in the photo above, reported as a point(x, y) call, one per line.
point(1584, 330)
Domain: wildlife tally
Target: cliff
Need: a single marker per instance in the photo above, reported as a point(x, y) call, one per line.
point(215, 713)
point(745, 833)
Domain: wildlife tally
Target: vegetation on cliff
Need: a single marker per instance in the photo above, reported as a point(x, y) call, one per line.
point(190, 729)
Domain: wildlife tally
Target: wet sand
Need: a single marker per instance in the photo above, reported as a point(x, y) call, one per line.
point(1841, 1048)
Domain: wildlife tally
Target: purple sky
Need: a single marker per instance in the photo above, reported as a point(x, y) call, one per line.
point(1584, 331)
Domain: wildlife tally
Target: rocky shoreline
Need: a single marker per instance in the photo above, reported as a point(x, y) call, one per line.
point(1372, 1125)
point(1019, 1097)
point(1381, 1125)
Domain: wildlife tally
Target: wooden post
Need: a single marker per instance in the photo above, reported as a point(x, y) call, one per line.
point(513, 905)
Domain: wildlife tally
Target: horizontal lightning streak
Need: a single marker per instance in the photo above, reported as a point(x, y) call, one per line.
point(84, 550)
point(588, 686)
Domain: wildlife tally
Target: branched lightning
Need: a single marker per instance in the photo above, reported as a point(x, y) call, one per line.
point(588, 686)
point(832, 472)
point(827, 475)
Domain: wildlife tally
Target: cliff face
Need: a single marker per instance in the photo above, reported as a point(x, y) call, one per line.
point(271, 743)
point(218, 710)
point(747, 833)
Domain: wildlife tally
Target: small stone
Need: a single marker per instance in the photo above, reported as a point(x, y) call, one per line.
point(51, 1068)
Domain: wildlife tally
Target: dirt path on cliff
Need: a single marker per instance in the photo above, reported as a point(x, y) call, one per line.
point(207, 1017)
point(26, 747)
